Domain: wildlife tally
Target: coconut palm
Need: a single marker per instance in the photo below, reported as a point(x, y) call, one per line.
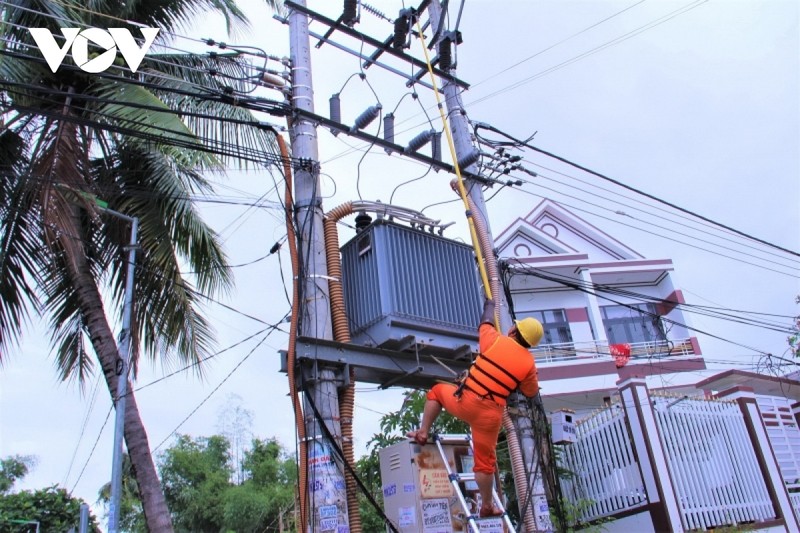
point(142, 142)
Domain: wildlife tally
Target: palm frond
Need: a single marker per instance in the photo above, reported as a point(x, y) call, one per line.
point(72, 360)
point(143, 115)
point(148, 185)
point(19, 241)
point(211, 114)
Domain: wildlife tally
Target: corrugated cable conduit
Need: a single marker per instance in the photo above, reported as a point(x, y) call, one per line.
point(517, 461)
point(291, 353)
point(341, 333)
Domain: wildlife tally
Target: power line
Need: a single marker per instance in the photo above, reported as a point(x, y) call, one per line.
point(633, 189)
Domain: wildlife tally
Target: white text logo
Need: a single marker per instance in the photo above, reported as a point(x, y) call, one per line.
point(79, 41)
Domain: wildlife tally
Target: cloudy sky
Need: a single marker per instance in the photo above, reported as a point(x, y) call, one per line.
point(693, 102)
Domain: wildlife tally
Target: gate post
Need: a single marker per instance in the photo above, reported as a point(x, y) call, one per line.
point(641, 421)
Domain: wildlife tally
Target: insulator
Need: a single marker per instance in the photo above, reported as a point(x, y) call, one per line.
point(336, 108)
point(273, 80)
point(445, 54)
point(469, 159)
point(362, 221)
point(401, 28)
point(419, 141)
point(365, 118)
point(375, 11)
point(388, 127)
point(350, 15)
point(436, 146)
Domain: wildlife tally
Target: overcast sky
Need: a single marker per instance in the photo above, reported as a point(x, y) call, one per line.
point(694, 102)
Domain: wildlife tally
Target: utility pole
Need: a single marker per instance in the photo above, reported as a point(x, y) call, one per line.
point(465, 149)
point(326, 486)
point(122, 384)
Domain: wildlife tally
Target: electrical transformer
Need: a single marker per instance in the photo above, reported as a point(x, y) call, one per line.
point(403, 282)
point(418, 496)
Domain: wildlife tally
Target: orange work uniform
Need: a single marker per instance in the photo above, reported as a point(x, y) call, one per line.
point(502, 366)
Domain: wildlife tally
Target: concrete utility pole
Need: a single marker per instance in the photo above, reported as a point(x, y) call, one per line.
point(464, 149)
point(326, 486)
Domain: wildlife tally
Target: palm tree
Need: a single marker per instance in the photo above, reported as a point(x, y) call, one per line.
point(141, 142)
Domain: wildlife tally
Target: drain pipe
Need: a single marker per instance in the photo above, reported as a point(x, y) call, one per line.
point(521, 482)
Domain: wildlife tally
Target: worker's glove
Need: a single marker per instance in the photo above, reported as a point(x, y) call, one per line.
point(488, 311)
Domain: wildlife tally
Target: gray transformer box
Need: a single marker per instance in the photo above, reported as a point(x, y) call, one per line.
point(418, 496)
point(406, 286)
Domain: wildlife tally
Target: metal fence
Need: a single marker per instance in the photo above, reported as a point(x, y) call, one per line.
point(709, 454)
point(604, 476)
point(712, 462)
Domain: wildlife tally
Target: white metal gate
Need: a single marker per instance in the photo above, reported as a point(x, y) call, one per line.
point(712, 462)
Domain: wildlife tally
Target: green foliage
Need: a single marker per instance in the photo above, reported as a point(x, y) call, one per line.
point(196, 477)
point(131, 515)
point(13, 468)
point(52, 508)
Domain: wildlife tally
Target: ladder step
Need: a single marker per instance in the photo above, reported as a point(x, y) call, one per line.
point(453, 438)
point(463, 477)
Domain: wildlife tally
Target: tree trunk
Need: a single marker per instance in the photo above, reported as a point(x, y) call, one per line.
point(154, 504)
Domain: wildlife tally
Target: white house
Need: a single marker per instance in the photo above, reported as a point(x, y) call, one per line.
point(608, 312)
point(697, 455)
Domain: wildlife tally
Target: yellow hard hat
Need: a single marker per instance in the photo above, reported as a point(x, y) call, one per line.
point(531, 330)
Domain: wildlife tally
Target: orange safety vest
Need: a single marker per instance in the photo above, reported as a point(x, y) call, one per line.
point(500, 367)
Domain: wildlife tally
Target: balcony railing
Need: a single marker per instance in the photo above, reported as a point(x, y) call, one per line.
point(572, 351)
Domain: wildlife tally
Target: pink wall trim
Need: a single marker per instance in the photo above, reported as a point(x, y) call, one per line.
point(670, 302)
point(695, 346)
point(577, 314)
point(570, 370)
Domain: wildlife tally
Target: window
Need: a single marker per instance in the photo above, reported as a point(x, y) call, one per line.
point(556, 327)
point(632, 323)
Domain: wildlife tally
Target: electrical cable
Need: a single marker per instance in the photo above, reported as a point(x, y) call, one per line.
point(656, 207)
point(84, 425)
point(337, 449)
point(94, 447)
point(536, 273)
point(689, 244)
point(638, 191)
point(210, 394)
point(554, 45)
point(608, 44)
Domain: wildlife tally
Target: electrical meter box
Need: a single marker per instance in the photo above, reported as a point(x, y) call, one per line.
point(563, 424)
point(418, 496)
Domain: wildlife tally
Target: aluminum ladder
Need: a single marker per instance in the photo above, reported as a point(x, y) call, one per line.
point(456, 478)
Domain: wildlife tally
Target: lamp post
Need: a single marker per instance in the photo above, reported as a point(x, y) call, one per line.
point(123, 347)
point(122, 370)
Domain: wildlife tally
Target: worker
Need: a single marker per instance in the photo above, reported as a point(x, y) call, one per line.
point(503, 365)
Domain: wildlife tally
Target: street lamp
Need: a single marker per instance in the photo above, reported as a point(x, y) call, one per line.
point(124, 354)
point(122, 384)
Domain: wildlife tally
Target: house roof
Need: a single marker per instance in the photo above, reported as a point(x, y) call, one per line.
point(760, 384)
point(553, 239)
point(551, 229)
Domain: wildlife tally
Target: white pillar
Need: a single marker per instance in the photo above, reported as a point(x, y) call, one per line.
point(650, 455)
point(746, 399)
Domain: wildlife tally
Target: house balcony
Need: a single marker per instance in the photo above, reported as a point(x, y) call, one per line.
point(592, 351)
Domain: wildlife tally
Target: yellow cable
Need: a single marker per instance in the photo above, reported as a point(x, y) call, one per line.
point(461, 189)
